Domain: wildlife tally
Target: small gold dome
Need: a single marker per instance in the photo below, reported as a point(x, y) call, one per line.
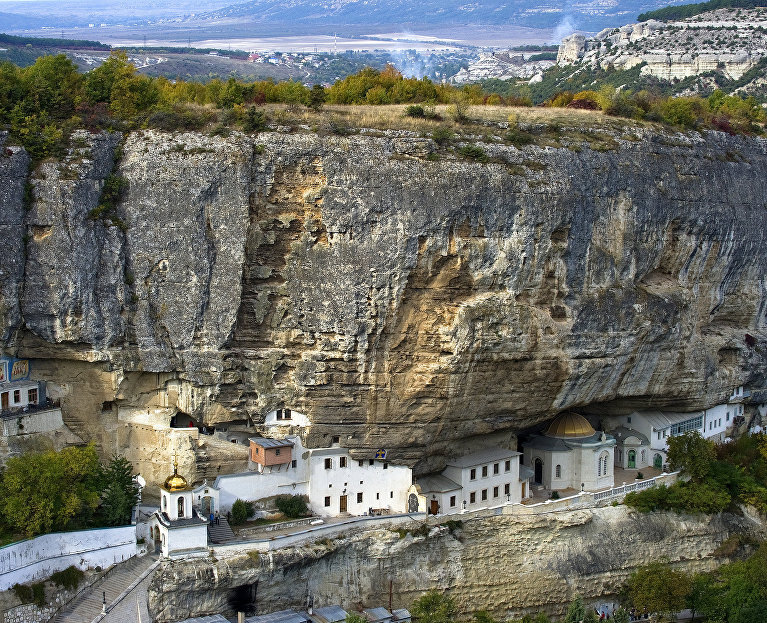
point(570, 424)
point(175, 482)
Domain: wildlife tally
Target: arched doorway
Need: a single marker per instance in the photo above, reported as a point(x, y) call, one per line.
point(538, 471)
point(157, 542)
point(657, 461)
point(632, 459)
point(207, 506)
point(181, 507)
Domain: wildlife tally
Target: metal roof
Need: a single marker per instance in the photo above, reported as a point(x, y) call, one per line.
point(328, 614)
point(483, 456)
point(271, 443)
point(525, 473)
point(660, 419)
point(282, 616)
point(401, 614)
point(437, 483)
point(377, 614)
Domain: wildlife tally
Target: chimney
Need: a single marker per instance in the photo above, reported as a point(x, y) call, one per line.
point(240, 617)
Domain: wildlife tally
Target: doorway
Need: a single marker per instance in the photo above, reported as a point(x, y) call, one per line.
point(4, 403)
point(539, 471)
point(342, 504)
point(207, 506)
point(657, 461)
point(434, 508)
point(632, 459)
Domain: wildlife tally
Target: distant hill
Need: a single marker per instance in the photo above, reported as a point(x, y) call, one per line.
point(683, 11)
point(587, 15)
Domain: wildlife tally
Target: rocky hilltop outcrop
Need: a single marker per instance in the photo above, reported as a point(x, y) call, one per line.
point(726, 40)
point(508, 565)
point(400, 299)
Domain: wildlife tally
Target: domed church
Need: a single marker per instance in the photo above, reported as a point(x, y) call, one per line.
point(571, 454)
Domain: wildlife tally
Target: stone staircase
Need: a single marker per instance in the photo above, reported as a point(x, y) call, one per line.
point(88, 605)
point(220, 533)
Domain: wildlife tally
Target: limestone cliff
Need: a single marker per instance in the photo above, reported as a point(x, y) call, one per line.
point(399, 301)
point(507, 565)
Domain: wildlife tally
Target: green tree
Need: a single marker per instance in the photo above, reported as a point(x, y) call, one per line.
point(120, 492)
point(590, 616)
point(52, 85)
point(317, 98)
point(434, 607)
point(691, 454)
point(576, 611)
point(658, 588)
point(50, 491)
point(292, 506)
point(100, 81)
point(620, 616)
point(355, 617)
point(483, 616)
point(241, 510)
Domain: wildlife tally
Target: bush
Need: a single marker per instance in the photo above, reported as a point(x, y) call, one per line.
point(68, 578)
point(555, 495)
point(415, 110)
point(473, 152)
point(241, 510)
point(442, 136)
point(255, 120)
point(292, 506)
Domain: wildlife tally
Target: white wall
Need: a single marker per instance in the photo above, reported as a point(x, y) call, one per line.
point(296, 419)
point(381, 487)
point(38, 558)
point(36, 422)
point(187, 538)
point(487, 483)
point(253, 486)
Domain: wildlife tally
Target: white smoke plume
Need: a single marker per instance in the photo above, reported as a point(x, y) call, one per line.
point(565, 27)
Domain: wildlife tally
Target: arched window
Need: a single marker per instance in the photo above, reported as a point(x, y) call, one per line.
point(558, 471)
point(164, 503)
point(181, 507)
point(644, 456)
point(602, 467)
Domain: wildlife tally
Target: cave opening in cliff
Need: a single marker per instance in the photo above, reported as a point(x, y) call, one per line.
point(183, 420)
point(243, 598)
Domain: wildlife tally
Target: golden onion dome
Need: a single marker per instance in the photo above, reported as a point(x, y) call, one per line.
point(175, 482)
point(570, 424)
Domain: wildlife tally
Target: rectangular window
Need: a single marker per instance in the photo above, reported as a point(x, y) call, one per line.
point(484, 471)
point(287, 414)
point(378, 496)
point(342, 461)
point(386, 466)
point(391, 494)
point(628, 419)
point(328, 463)
point(472, 497)
point(293, 463)
point(277, 452)
point(16, 396)
point(507, 466)
point(495, 492)
point(473, 474)
point(327, 500)
point(484, 494)
point(336, 439)
point(728, 415)
point(32, 396)
point(371, 461)
point(658, 434)
point(720, 421)
point(360, 463)
point(279, 414)
point(452, 500)
point(496, 468)
point(359, 498)
point(506, 489)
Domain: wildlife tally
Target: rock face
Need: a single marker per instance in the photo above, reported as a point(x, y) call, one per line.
point(400, 302)
point(507, 565)
point(723, 40)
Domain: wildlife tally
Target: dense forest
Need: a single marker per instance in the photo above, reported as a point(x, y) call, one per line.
point(683, 11)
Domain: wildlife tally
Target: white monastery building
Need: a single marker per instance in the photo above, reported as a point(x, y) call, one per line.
point(571, 455)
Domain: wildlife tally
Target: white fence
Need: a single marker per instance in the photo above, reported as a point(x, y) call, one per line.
point(38, 558)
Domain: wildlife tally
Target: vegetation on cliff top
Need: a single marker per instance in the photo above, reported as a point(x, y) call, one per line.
point(42, 104)
point(720, 476)
point(683, 11)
